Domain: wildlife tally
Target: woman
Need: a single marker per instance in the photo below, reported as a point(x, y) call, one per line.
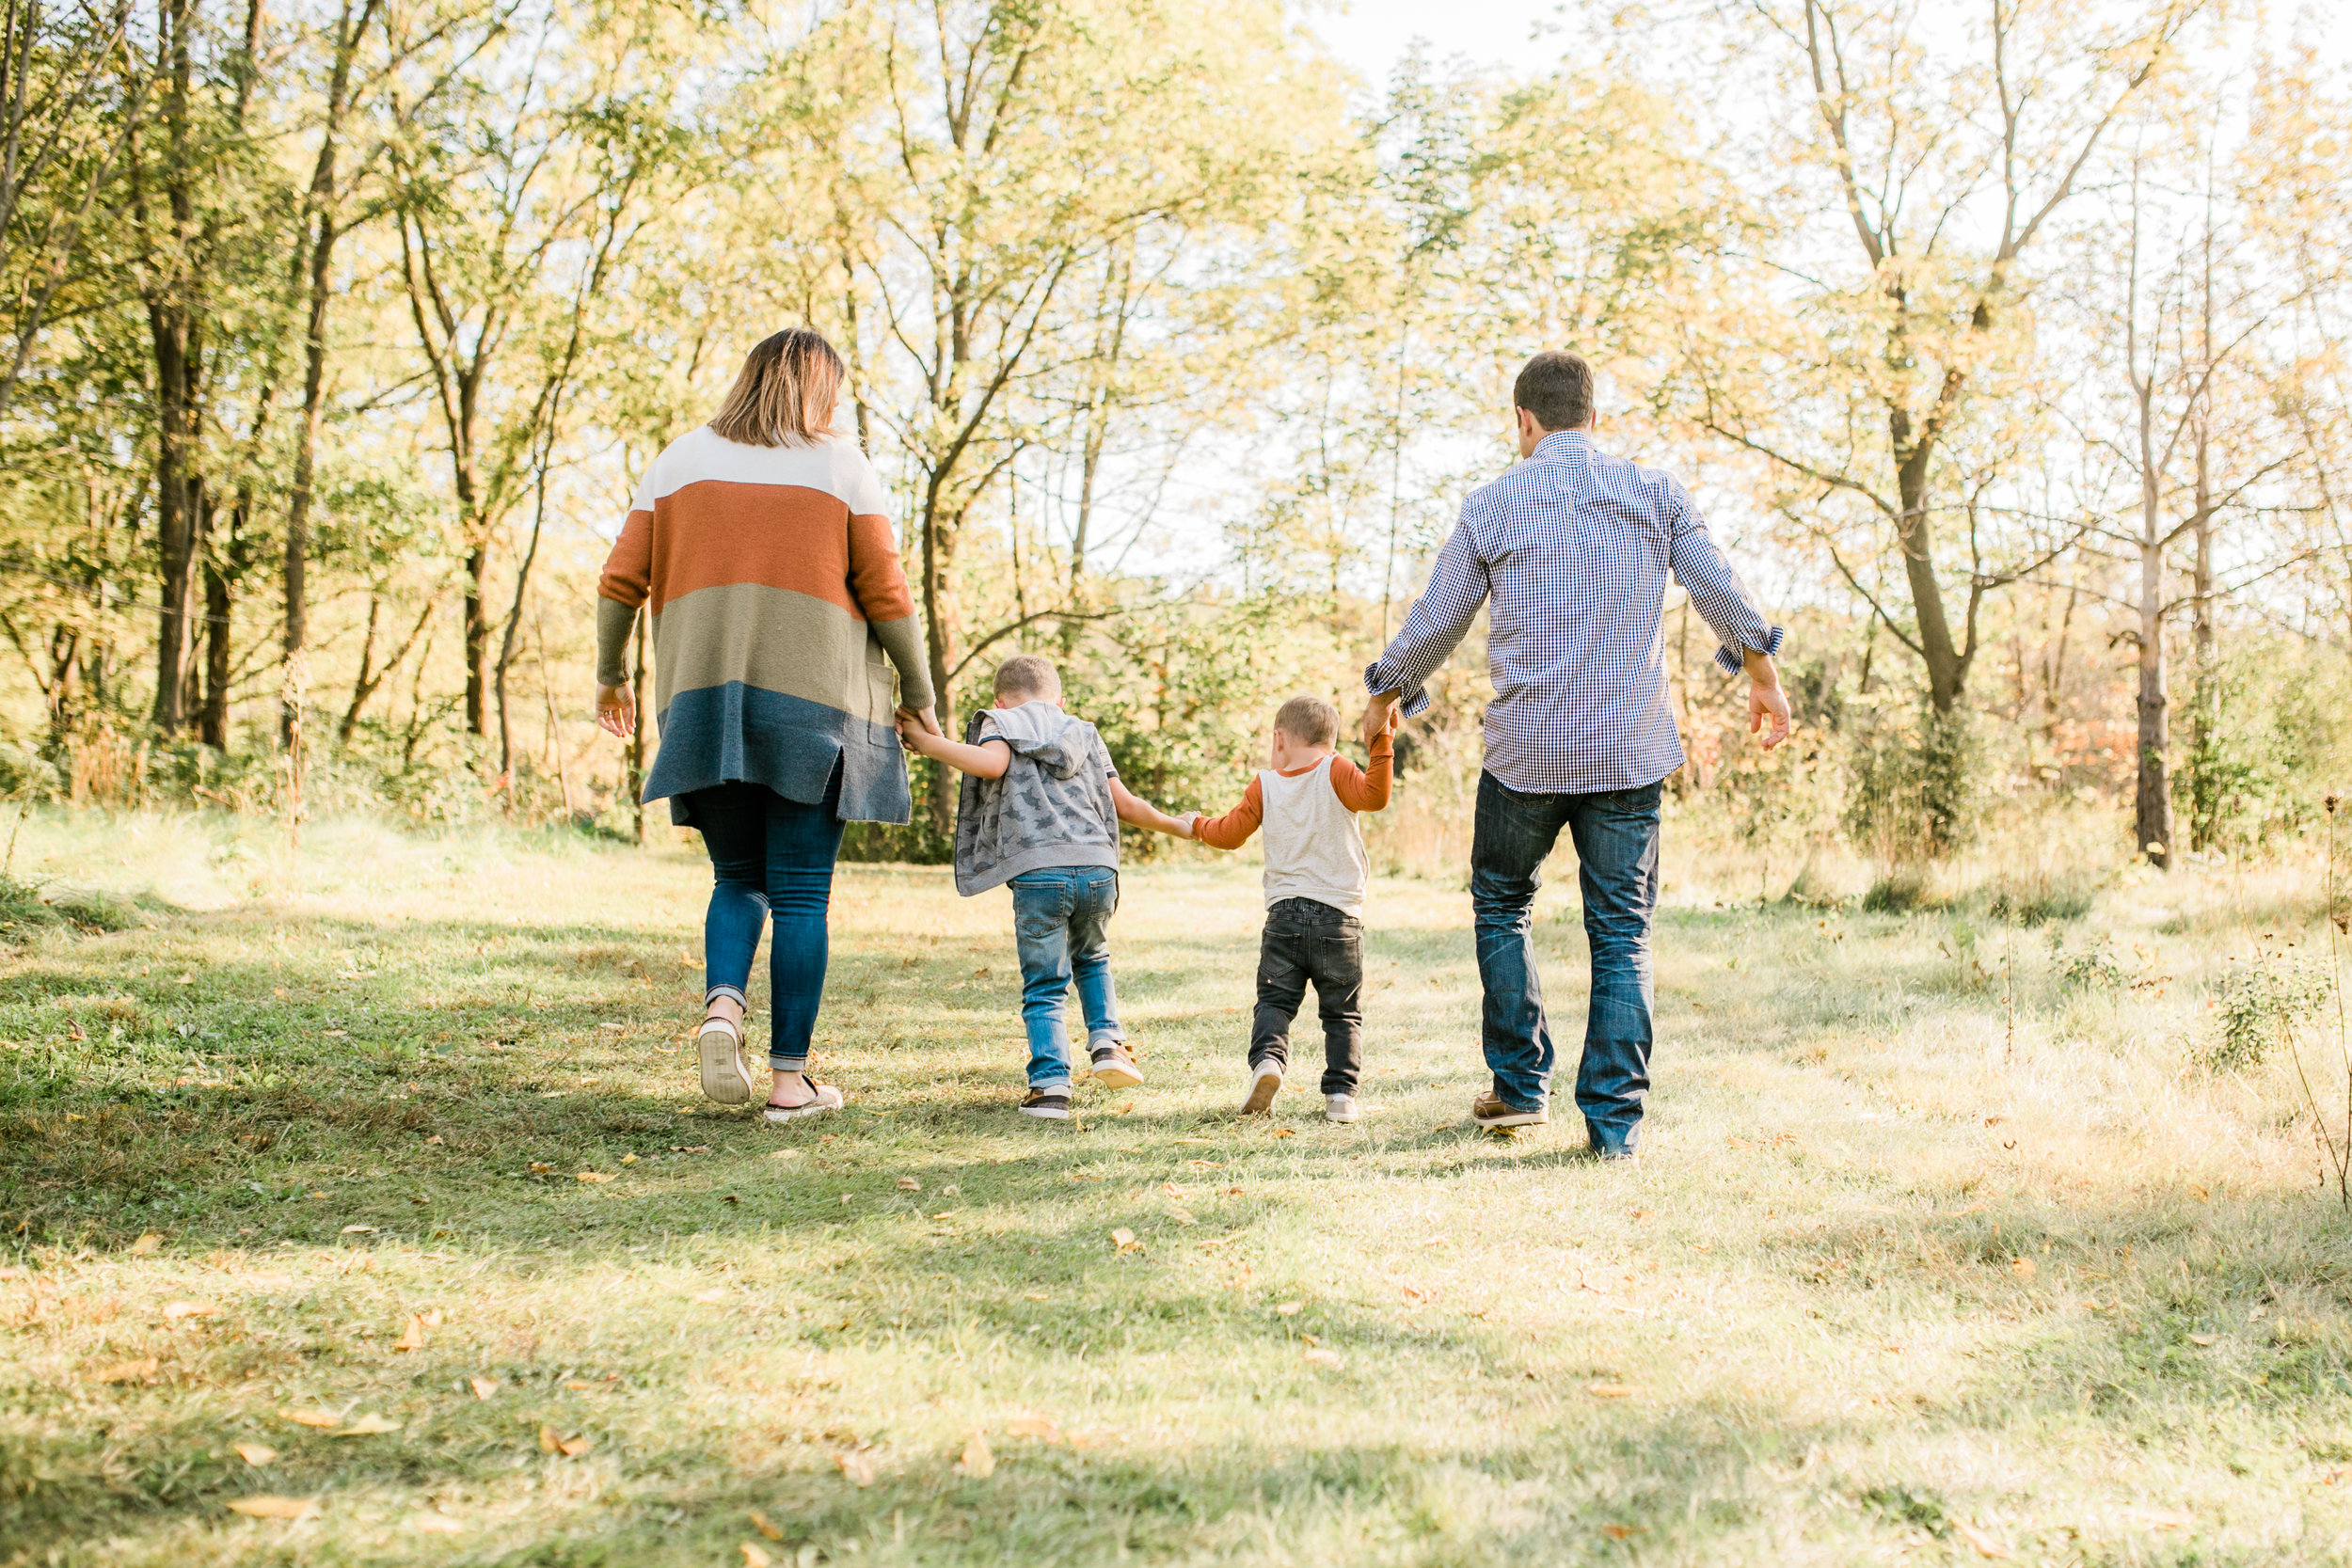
point(761, 544)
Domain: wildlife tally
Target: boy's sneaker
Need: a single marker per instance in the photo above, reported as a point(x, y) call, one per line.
point(1114, 1069)
point(1050, 1104)
point(1263, 1088)
point(1492, 1110)
point(1338, 1107)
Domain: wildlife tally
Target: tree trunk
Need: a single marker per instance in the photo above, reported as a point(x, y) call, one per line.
point(939, 627)
point(2153, 803)
point(2205, 785)
point(477, 636)
point(212, 723)
point(637, 737)
point(1948, 663)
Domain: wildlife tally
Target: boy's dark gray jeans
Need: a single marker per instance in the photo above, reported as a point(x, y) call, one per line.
point(1310, 941)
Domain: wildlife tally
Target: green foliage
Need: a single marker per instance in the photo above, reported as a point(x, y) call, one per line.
point(1915, 794)
point(2261, 1004)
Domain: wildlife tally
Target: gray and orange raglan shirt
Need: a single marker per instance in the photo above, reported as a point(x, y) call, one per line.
point(778, 608)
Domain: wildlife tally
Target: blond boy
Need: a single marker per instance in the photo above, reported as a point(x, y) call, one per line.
point(1316, 877)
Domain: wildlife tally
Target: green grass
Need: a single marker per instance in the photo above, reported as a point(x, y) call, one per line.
point(1934, 1254)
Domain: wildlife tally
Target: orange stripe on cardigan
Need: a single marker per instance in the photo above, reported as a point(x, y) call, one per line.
point(717, 533)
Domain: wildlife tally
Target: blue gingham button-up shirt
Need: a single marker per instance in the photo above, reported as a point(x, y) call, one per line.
point(1574, 546)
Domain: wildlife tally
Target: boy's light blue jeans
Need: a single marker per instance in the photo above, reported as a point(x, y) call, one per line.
point(1061, 918)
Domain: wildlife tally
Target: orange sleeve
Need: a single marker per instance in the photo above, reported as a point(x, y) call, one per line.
point(627, 575)
point(1364, 789)
point(1232, 830)
point(876, 579)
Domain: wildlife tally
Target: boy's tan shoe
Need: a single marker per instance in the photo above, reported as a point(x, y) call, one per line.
point(1114, 1069)
point(1491, 1110)
point(1263, 1088)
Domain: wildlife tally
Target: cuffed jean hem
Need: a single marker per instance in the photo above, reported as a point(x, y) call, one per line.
point(733, 992)
point(1050, 1085)
point(788, 1064)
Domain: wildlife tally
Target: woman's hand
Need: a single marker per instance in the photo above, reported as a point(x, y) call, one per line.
point(617, 710)
point(921, 717)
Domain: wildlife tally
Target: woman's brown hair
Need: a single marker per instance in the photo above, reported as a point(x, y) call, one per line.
point(785, 395)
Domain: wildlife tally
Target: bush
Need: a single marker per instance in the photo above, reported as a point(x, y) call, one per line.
point(2261, 1006)
point(23, 906)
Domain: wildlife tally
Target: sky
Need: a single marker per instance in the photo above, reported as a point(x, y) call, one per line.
point(1373, 35)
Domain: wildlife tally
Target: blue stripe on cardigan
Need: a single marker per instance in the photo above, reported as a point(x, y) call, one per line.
point(720, 734)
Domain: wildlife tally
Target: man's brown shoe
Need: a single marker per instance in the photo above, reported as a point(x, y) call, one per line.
point(1491, 1110)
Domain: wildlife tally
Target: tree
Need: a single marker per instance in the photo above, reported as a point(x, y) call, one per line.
point(1944, 161)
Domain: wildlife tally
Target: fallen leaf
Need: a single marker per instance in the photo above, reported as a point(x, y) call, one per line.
point(255, 1454)
point(1609, 1390)
point(908, 1184)
point(436, 1524)
point(593, 1175)
point(759, 1522)
point(1322, 1357)
point(754, 1556)
point(628, 1159)
point(1289, 1308)
point(548, 1441)
point(2201, 1195)
point(1038, 1427)
point(1286, 1131)
point(411, 1337)
point(1100, 1437)
point(540, 1168)
point(1036, 1295)
point(2203, 1338)
point(1986, 1545)
point(128, 1372)
point(436, 1138)
point(189, 1309)
point(146, 1244)
point(1621, 1532)
point(859, 1467)
point(267, 1507)
point(311, 1418)
point(1125, 1240)
point(978, 1462)
point(483, 1387)
point(572, 1448)
point(579, 1387)
point(359, 1230)
point(2024, 1268)
point(369, 1425)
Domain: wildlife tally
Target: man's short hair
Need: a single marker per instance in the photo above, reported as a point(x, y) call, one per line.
point(1309, 720)
point(1557, 387)
point(1028, 676)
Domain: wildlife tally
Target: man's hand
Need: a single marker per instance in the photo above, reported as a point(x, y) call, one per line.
point(1380, 715)
point(617, 710)
point(1767, 701)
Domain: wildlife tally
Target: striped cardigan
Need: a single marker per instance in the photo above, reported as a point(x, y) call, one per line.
point(775, 592)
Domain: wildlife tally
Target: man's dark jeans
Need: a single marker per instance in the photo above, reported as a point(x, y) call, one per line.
point(1308, 939)
point(1616, 832)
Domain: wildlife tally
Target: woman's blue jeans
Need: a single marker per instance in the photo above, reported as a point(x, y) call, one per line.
point(770, 857)
point(1616, 840)
point(1061, 921)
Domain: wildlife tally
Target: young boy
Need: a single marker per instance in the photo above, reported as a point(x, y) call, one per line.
point(1040, 807)
point(1316, 875)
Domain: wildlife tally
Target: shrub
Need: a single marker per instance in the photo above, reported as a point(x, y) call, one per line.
point(2261, 1005)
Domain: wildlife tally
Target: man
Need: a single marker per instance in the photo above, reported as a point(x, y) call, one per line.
point(1573, 547)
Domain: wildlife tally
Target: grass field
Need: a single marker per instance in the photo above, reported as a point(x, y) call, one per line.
point(373, 1180)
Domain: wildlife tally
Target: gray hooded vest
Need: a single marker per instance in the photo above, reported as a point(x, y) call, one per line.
point(1052, 807)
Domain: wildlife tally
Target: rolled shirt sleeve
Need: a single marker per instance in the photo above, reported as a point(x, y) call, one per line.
point(1716, 592)
point(1439, 622)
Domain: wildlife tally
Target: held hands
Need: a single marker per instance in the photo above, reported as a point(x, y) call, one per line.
point(917, 727)
point(617, 710)
point(1380, 717)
